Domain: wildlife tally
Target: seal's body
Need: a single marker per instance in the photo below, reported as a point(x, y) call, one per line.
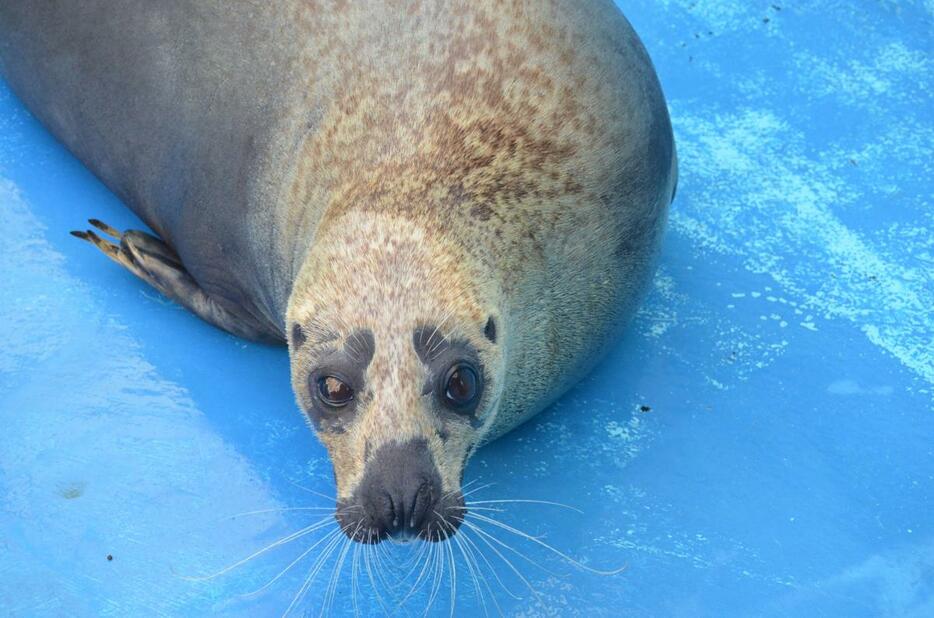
point(445, 208)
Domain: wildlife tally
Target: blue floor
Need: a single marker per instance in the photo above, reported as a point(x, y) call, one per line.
point(760, 444)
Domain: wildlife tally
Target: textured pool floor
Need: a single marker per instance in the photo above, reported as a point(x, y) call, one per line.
point(760, 443)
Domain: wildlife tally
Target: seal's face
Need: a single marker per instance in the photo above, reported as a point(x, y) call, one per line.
point(399, 378)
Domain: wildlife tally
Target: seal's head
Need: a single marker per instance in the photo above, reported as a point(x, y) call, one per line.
point(394, 357)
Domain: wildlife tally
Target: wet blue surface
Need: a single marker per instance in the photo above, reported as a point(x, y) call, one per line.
point(785, 465)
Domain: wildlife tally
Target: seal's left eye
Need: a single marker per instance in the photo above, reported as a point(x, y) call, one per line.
point(334, 391)
point(462, 386)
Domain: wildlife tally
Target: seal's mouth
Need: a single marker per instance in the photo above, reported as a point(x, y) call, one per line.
point(400, 498)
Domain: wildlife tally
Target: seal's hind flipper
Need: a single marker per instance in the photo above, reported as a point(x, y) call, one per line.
point(157, 264)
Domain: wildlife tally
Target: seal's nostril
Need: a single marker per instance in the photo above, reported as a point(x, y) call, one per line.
point(393, 514)
point(421, 503)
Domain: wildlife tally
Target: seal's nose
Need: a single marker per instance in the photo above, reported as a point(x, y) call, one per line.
point(404, 513)
point(400, 496)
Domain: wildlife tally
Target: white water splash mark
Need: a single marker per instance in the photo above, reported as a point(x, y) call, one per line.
point(756, 195)
point(627, 438)
point(861, 82)
point(727, 351)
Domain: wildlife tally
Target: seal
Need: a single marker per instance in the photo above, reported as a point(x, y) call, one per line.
point(446, 209)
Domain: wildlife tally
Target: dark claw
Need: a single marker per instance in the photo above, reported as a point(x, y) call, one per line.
point(79, 234)
point(105, 228)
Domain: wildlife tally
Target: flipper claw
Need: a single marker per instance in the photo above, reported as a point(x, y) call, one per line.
point(105, 228)
point(156, 263)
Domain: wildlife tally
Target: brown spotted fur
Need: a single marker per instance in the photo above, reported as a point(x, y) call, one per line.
point(485, 158)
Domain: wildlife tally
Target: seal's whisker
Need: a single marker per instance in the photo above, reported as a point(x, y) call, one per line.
point(352, 344)
point(412, 562)
point(469, 561)
point(342, 545)
point(538, 541)
point(354, 572)
point(453, 564)
point(422, 574)
point(369, 571)
point(545, 502)
point(427, 565)
point(447, 544)
point(317, 493)
point(515, 551)
point(415, 559)
point(480, 488)
point(381, 569)
point(483, 537)
point(450, 553)
point(335, 573)
point(450, 493)
point(438, 326)
point(315, 568)
point(437, 579)
point(329, 535)
point(312, 572)
point(348, 509)
point(463, 487)
point(286, 539)
point(471, 507)
point(429, 550)
point(280, 510)
point(367, 550)
point(472, 550)
point(434, 348)
point(338, 564)
point(489, 565)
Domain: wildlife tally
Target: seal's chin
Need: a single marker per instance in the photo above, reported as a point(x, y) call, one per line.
point(400, 497)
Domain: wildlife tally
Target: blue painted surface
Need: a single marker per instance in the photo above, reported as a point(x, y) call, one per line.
point(786, 466)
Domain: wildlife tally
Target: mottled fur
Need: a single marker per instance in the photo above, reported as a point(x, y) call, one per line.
point(506, 159)
point(389, 165)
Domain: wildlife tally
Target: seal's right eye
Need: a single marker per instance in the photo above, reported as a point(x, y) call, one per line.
point(334, 392)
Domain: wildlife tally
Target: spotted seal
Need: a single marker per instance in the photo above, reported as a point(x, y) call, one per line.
point(446, 209)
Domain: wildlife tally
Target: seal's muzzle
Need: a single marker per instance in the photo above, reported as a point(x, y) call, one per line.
point(400, 496)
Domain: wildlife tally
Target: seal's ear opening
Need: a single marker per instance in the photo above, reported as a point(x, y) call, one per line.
point(490, 329)
point(298, 335)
